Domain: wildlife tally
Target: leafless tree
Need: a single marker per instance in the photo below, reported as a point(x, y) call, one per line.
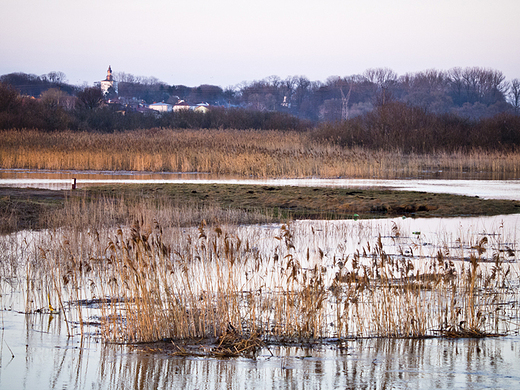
point(474, 84)
point(55, 77)
point(55, 97)
point(90, 98)
point(380, 76)
point(514, 95)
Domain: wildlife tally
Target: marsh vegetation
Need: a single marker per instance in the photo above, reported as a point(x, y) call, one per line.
point(186, 204)
point(230, 267)
point(321, 153)
point(238, 288)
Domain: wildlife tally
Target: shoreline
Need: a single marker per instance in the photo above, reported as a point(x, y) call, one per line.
point(24, 208)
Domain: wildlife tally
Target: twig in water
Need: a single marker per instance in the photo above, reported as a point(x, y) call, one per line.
point(10, 350)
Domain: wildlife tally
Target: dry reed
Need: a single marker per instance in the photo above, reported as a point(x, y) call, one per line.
point(261, 154)
point(240, 288)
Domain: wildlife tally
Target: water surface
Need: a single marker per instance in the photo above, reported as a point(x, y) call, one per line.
point(488, 189)
point(45, 357)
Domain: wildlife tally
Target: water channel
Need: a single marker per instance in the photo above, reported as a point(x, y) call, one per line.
point(35, 351)
point(58, 180)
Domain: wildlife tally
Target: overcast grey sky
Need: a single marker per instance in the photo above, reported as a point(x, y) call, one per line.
point(225, 42)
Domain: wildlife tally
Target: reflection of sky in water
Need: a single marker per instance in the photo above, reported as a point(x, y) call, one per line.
point(46, 358)
point(492, 189)
point(420, 237)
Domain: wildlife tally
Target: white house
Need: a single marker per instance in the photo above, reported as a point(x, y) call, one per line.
point(201, 107)
point(161, 107)
point(181, 105)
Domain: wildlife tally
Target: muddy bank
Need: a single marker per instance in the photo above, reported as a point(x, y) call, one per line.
point(25, 208)
point(298, 202)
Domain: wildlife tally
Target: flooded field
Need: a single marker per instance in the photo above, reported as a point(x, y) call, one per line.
point(383, 303)
point(46, 358)
point(65, 347)
point(434, 183)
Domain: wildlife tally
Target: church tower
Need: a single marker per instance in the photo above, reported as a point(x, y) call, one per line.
point(109, 73)
point(108, 82)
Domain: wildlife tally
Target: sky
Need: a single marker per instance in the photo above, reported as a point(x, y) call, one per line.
point(228, 42)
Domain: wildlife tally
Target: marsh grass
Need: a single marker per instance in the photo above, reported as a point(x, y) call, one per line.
point(241, 153)
point(101, 211)
point(183, 205)
point(243, 287)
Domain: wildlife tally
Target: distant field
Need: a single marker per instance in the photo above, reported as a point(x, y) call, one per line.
point(241, 153)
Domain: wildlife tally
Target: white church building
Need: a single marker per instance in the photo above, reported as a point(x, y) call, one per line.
point(108, 82)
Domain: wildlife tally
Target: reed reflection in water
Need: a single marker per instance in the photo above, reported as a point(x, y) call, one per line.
point(46, 359)
point(371, 364)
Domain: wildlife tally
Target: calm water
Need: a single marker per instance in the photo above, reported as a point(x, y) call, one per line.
point(489, 189)
point(44, 357)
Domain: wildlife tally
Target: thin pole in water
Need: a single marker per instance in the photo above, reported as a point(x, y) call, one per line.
point(74, 184)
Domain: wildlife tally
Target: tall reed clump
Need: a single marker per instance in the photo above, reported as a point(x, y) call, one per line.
point(242, 153)
point(104, 212)
point(146, 283)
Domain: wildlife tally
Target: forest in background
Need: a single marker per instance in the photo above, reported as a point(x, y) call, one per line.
point(472, 92)
point(462, 108)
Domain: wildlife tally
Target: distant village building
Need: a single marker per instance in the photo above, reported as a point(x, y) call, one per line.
point(181, 105)
point(184, 106)
point(161, 107)
point(202, 108)
point(108, 83)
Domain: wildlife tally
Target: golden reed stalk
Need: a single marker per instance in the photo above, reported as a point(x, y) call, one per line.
point(186, 283)
point(246, 153)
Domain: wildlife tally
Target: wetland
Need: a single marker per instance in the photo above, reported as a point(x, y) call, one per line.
point(169, 286)
point(270, 260)
point(24, 208)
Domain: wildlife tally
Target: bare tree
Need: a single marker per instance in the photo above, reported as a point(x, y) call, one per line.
point(90, 98)
point(123, 77)
point(380, 76)
point(55, 77)
point(55, 97)
point(514, 95)
point(9, 97)
point(477, 85)
point(301, 89)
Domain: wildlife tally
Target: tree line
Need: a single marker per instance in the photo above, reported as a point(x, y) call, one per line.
point(472, 92)
point(88, 111)
point(398, 126)
point(421, 112)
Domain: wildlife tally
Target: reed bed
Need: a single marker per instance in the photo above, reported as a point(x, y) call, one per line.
point(243, 286)
point(245, 153)
point(108, 211)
